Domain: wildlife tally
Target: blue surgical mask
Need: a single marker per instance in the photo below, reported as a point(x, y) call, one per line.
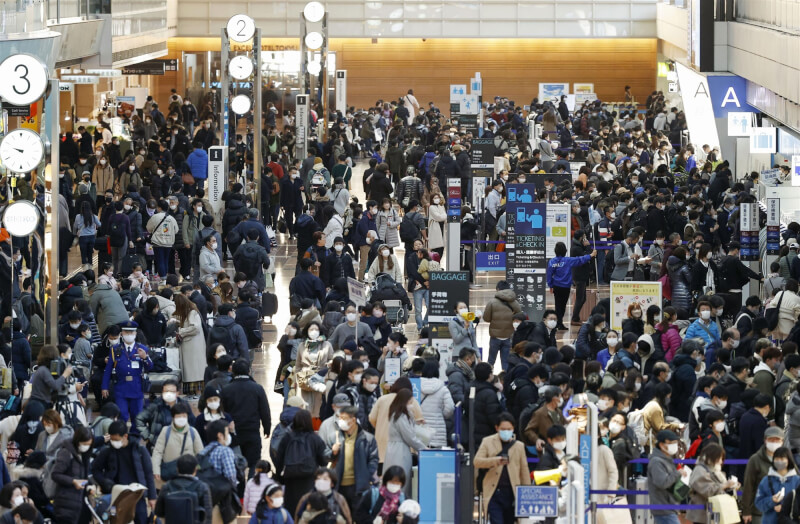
point(506, 434)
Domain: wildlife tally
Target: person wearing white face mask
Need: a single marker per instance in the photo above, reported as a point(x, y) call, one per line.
point(710, 397)
point(662, 474)
point(554, 450)
point(559, 278)
point(271, 507)
point(158, 414)
point(339, 264)
point(122, 461)
point(70, 474)
point(463, 331)
point(130, 360)
point(313, 354)
point(352, 327)
point(369, 393)
point(387, 263)
point(175, 440)
point(388, 497)
point(704, 327)
point(437, 218)
point(209, 259)
point(356, 454)
point(545, 417)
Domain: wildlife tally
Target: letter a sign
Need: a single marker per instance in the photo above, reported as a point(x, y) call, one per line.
point(731, 98)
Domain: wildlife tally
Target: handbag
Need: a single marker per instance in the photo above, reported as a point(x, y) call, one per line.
point(187, 178)
point(282, 223)
point(615, 515)
point(666, 287)
point(727, 508)
point(772, 315)
point(679, 490)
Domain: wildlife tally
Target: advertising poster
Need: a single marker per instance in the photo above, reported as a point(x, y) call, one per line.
point(453, 200)
point(437, 486)
point(748, 232)
point(773, 226)
point(357, 292)
point(447, 288)
point(523, 193)
point(552, 90)
point(126, 105)
point(623, 294)
point(583, 88)
point(558, 227)
point(530, 258)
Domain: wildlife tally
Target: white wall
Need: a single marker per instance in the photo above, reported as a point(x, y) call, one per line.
point(435, 18)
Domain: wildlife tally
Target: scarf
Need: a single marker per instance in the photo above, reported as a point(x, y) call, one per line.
point(390, 503)
point(460, 364)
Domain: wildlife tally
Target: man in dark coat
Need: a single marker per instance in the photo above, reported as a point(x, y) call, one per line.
point(246, 402)
point(307, 285)
point(487, 406)
point(187, 482)
point(656, 219)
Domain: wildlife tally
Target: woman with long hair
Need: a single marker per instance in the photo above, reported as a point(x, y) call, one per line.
point(313, 353)
point(655, 412)
point(193, 344)
point(402, 435)
point(85, 228)
point(299, 483)
point(387, 263)
point(670, 334)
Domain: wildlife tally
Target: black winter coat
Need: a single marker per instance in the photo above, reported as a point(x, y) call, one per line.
point(250, 320)
point(582, 272)
point(487, 405)
point(245, 400)
point(235, 210)
point(682, 382)
point(105, 468)
point(69, 465)
point(379, 187)
point(680, 278)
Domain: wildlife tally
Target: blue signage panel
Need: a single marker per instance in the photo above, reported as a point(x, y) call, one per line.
point(489, 261)
point(437, 486)
point(728, 93)
point(585, 451)
point(537, 501)
point(416, 388)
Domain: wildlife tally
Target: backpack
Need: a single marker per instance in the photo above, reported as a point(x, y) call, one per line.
point(409, 231)
point(97, 426)
point(48, 484)
point(278, 433)
point(220, 335)
point(219, 485)
point(180, 504)
point(116, 235)
point(526, 415)
point(19, 313)
point(297, 461)
point(513, 389)
point(128, 301)
point(636, 423)
point(433, 165)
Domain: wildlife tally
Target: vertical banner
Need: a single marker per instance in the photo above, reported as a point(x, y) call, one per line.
point(446, 288)
point(773, 226)
point(341, 91)
point(217, 175)
point(301, 125)
point(625, 293)
point(585, 453)
point(453, 200)
point(530, 259)
point(558, 227)
point(748, 228)
point(523, 193)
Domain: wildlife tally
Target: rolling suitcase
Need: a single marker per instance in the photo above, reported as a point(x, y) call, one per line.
point(269, 304)
point(128, 261)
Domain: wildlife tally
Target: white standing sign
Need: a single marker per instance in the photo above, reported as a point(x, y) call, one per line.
point(558, 227)
point(217, 175)
point(357, 292)
point(341, 90)
point(740, 123)
point(748, 217)
point(301, 124)
point(469, 104)
point(476, 86)
point(457, 91)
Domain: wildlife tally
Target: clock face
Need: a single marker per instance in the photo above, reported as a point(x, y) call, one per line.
point(241, 28)
point(314, 40)
point(24, 79)
point(240, 104)
point(240, 67)
point(21, 151)
point(314, 11)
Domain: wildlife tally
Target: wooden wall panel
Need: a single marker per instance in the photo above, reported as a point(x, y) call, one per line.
point(512, 68)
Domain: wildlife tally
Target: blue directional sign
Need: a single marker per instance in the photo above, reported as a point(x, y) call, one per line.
point(586, 462)
point(490, 261)
point(537, 501)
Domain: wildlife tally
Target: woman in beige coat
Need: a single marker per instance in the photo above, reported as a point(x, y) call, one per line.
point(193, 344)
point(313, 353)
point(379, 415)
point(103, 176)
point(707, 480)
point(498, 452)
point(789, 311)
point(437, 217)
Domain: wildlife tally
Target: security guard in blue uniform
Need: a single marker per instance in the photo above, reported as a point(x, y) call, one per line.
point(128, 363)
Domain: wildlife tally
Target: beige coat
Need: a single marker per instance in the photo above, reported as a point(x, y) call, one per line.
point(787, 316)
point(103, 177)
point(193, 348)
point(653, 418)
point(608, 475)
point(437, 217)
point(165, 451)
point(486, 458)
point(311, 361)
point(379, 418)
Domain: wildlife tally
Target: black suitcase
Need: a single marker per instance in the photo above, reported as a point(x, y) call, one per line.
point(269, 304)
point(128, 261)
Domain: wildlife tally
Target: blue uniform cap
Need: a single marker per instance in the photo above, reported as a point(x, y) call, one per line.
point(129, 325)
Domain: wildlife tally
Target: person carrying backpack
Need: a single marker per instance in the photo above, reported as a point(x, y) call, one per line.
point(185, 498)
point(412, 227)
point(270, 508)
point(300, 452)
point(227, 332)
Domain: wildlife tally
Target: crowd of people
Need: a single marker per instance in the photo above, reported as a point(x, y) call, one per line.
point(151, 382)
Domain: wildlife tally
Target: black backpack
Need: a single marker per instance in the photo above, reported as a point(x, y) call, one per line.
point(297, 459)
point(178, 505)
point(409, 231)
point(513, 389)
point(526, 415)
point(116, 235)
point(220, 335)
point(219, 485)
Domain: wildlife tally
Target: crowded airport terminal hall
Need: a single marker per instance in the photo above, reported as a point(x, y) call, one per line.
point(399, 262)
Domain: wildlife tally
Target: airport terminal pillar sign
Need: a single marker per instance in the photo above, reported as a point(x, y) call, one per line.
point(530, 257)
point(301, 124)
point(217, 175)
point(748, 232)
point(447, 288)
point(341, 90)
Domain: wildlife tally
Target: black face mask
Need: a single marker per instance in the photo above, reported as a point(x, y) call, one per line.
point(109, 199)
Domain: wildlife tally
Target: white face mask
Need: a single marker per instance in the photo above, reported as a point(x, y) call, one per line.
point(602, 404)
point(116, 444)
point(127, 207)
point(50, 429)
point(180, 422)
point(351, 317)
point(213, 405)
point(734, 343)
point(102, 162)
point(436, 201)
point(277, 502)
point(83, 448)
point(705, 314)
point(393, 487)
point(322, 485)
point(722, 403)
point(338, 248)
point(169, 396)
point(370, 387)
point(343, 424)
point(129, 339)
point(313, 334)
point(773, 446)
point(385, 253)
point(516, 324)
point(18, 500)
point(719, 427)
point(463, 311)
point(612, 342)
point(672, 449)
point(560, 445)
point(551, 324)
point(615, 428)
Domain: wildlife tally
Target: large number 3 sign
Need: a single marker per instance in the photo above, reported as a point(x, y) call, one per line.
point(25, 78)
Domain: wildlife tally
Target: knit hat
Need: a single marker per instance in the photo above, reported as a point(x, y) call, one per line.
point(318, 163)
point(211, 391)
point(341, 399)
point(296, 402)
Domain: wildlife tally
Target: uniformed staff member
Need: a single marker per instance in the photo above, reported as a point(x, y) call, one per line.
point(129, 360)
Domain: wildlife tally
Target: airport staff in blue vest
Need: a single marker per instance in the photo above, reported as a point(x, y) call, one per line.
point(129, 361)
